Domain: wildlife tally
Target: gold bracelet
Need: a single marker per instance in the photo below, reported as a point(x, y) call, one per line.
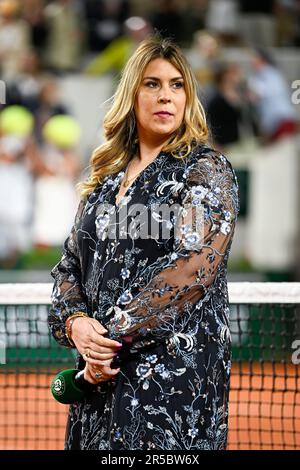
point(69, 323)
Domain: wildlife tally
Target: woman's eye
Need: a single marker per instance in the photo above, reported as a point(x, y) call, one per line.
point(151, 84)
point(177, 85)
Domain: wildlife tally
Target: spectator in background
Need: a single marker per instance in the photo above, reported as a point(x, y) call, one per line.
point(56, 198)
point(105, 20)
point(48, 104)
point(14, 39)
point(288, 22)
point(33, 14)
point(65, 25)
point(114, 57)
point(257, 22)
point(222, 19)
point(297, 32)
point(206, 57)
point(17, 167)
point(231, 124)
point(166, 19)
point(192, 13)
point(224, 109)
point(26, 87)
point(271, 98)
point(274, 189)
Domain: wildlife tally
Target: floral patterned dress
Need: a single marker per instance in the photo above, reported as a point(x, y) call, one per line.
point(166, 297)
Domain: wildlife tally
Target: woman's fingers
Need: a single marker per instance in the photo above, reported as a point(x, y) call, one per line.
point(97, 335)
point(106, 370)
point(98, 327)
point(97, 362)
point(94, 349)
point(102, 356)
point(95, 375)
point(87, 334)
point(98, 374)
point(102, 342)
point(94, 362)
point(93, 357)
point(88, 376)
point(100, 349)
point(87, 330)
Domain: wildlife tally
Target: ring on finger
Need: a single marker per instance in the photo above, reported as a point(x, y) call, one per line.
point(87, 353)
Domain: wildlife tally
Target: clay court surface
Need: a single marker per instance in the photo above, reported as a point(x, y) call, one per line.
point(264, 409)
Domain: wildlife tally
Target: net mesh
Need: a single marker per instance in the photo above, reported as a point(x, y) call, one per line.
point(264, 409)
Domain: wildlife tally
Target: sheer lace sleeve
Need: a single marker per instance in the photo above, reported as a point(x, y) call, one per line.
point(67, 296)
point(187, 274)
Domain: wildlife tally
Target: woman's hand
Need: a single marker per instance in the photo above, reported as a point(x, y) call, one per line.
point(99, 374)
point(88, 337)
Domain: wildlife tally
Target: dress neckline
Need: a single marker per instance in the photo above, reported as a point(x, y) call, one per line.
point(121, 174)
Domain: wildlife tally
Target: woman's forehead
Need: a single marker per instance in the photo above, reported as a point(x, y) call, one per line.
point(158, 67)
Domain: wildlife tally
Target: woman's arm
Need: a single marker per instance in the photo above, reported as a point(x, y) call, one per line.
point(187, 274)
point(67, 294)
point(68, 298)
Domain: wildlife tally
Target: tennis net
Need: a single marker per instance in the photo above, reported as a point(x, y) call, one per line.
point(264, 410)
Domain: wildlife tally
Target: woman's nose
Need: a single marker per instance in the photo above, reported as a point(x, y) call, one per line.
point(163, 99)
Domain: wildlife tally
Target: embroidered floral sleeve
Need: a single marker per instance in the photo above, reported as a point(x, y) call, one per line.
point(186, 275)
point(67, 295)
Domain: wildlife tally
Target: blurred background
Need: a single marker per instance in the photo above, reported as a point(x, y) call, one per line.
point(59, 64)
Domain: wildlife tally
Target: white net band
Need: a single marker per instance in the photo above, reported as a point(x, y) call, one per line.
point(239, 293)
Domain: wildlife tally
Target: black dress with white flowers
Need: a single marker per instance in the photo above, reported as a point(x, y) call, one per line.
point(163, 291)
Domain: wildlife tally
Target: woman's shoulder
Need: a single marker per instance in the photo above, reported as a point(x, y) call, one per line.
point(211, 165)
point(203, 155)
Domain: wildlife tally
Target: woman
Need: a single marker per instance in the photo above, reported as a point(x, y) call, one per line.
point(165, 297)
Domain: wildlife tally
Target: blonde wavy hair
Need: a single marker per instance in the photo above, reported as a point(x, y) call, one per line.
point(119, 124)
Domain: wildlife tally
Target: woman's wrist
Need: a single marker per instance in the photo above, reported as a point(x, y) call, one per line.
point(69, 323)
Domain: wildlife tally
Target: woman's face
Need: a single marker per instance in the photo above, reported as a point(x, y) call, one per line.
point(160, 101)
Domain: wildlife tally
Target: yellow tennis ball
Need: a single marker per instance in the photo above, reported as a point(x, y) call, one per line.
point(62, 131)
point(16, 120)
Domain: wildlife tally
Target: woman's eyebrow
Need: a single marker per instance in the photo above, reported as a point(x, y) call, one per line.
point(158, 79)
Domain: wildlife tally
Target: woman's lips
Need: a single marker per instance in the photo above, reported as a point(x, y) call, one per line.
point(163, 114)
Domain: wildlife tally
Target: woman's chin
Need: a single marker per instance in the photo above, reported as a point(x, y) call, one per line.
point(163, 131)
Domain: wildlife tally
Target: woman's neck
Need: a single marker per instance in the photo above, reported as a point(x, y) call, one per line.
point(149, 150)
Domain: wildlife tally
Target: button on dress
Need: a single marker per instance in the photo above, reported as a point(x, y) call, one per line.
point(153, 271)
